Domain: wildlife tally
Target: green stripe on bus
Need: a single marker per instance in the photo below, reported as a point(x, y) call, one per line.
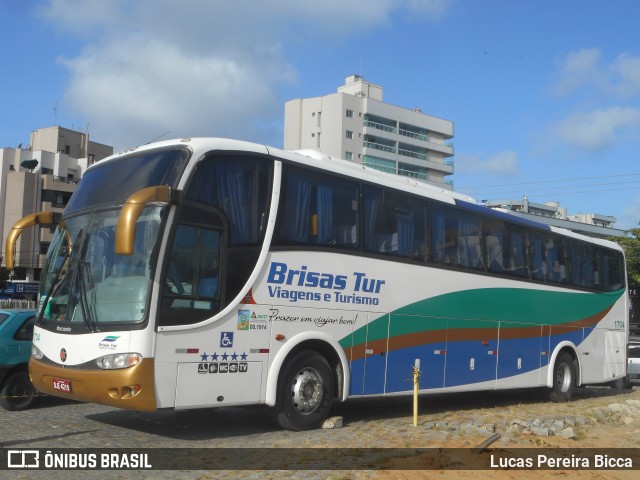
point(513, 305)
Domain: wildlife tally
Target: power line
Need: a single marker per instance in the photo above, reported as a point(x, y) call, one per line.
point(563, 190)
point(599, 177)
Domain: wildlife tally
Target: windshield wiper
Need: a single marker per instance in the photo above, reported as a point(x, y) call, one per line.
point(84, 272)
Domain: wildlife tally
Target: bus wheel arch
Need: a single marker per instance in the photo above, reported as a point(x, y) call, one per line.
point(564, 374)
point(304, 381)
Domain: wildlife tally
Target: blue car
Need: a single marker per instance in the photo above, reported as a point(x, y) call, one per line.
point(16, 333)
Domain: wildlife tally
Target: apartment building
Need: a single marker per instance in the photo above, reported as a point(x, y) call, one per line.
point(356, 124)
point(41, 177)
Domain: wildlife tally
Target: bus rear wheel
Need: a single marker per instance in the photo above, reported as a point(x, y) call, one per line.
point(305, 392)
point(564, 378)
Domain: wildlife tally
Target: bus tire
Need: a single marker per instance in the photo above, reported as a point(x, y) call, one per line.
point(621, 384)
point(17, 392)
point(564, 378)
point(305, 392)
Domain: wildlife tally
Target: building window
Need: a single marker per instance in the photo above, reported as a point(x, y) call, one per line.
point(349, 113)
point(349, 134)
point(348, 155)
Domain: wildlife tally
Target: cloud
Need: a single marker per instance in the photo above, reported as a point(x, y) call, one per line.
point(586, 70)
point(627, 70)
point(199, 67)
point(578, 69)
point(502, 163)
point(598, 129)
point(630, 217)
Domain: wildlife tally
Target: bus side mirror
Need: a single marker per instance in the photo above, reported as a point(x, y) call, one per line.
point(40, 218)
point(131, 210)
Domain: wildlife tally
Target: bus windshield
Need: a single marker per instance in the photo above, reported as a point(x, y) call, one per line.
point(86, 285)
point(114, 181)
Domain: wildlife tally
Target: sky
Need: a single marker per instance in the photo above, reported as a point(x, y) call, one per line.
point(544, 94)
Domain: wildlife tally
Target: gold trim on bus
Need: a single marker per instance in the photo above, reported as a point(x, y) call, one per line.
point(131, 210)
point(40, 218)
point(131, 388)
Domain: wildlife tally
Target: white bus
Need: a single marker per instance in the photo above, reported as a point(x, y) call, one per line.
point(211, 272)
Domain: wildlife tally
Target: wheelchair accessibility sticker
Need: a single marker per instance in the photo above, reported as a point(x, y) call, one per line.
point(226, 339)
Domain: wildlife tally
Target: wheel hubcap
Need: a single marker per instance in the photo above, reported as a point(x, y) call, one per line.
point(306, 391)
point(563, 379)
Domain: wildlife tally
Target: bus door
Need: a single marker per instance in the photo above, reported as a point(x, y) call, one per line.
point(472, 352)
point(411, 338)
point(192, 290)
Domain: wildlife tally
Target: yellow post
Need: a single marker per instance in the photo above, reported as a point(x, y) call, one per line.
point(416, 388)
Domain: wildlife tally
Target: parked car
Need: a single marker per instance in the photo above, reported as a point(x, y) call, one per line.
point(16, 333)
point(633, 359)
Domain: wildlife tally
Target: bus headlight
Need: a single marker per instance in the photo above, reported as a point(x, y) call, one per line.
point(118, 360)
point(36, 352)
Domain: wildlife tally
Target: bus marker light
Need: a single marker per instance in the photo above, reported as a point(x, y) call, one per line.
point(187, 350)
point(439, 352)
point(485, 343)
point(279, 337)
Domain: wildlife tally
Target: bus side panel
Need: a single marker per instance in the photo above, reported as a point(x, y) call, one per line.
point(356, 349)
point(519, 355)
point(215, 365)
point(375, 357)
point(472, 352)
point(615, 344)
point(403, 352)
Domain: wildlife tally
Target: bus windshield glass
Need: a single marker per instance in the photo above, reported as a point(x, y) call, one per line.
point(85, 285)
point(114, 181)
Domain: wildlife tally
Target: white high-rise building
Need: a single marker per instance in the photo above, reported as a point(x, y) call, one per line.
point(355, 124)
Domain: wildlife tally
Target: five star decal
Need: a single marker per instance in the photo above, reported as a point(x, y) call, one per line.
point(204, 357)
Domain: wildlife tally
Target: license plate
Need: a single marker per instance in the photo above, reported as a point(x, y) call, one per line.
point(62, 385)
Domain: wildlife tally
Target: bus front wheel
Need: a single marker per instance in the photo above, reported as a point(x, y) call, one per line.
point(564, 378)
point(305, 392)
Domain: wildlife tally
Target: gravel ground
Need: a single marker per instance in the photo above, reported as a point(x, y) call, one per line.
point(598, 417)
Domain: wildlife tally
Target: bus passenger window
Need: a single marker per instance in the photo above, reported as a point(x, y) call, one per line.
point(318, 210)
point(457, 238)
point(548, 259)
point(395, 223)
point(612, 270)
point(505, 249)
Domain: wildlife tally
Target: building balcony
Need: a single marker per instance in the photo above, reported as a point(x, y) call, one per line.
point(59, 184)
point(380, 126)
point(379, 146)
point(405, 170)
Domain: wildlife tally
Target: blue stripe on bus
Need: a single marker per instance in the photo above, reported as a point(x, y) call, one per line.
point(368, 375)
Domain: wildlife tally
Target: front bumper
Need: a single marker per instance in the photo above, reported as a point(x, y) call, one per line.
point(107, 387)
